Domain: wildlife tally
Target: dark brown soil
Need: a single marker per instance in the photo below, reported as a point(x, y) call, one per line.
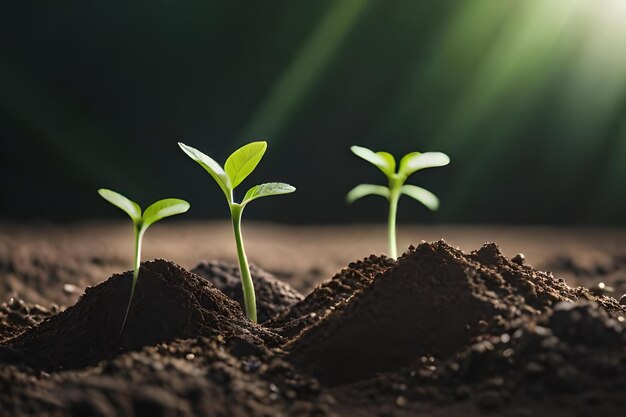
point(169, 303)
point(325, 298)
point(433, 301)
point(438, 332)
point(273, 296)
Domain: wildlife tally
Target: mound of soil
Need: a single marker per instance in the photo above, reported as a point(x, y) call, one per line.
point(433, 301)
point(329, 295)
point(438, 332)
point(273, 296)
point(169, 303)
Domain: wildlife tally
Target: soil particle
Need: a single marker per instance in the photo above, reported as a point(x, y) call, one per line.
point(519, 259)
point(273, 296)
point(16, 316)
point(169, 303)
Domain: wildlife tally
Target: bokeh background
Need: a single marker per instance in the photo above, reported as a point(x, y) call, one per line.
point(528, 98)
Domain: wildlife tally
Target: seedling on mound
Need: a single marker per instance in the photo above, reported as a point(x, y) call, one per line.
point(410, 163)
point(238, 166)
point(157, 211)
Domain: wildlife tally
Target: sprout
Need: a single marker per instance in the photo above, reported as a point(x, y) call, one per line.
point(410, 163)
point(238, 166)
point(157, 211)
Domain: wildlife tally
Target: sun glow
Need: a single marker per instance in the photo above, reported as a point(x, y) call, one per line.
point(611, 12)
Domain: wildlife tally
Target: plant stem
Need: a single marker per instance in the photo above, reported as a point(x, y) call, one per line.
point(394, 196)
point(247, 285)
point(138, 238)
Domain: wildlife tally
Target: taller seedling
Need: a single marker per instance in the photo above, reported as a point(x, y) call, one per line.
point(410, 163)
point(157, 211)
point(238, 166)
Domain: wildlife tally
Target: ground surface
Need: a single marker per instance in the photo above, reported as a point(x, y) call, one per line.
point(303, 256)
point(296, 364)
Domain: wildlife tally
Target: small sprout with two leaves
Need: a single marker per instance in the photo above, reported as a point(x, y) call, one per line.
point(238, 166)
point(141, 221)
point(410, 163)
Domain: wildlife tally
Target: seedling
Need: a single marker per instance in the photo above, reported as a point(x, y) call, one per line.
point(238, 166)
point(157, 211)
point(410, 163)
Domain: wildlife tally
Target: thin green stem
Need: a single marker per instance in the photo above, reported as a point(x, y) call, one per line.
point(394, 196)
point(138, 238)
point(249, 297)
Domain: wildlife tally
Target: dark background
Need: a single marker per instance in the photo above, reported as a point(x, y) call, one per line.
point(527, 97)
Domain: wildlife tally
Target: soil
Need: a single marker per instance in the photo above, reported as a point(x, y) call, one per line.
point(273, 295)
point(170, 304)
point(438, 332)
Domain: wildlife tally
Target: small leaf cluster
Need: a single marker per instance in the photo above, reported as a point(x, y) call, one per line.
point(409, 164)
point(238, 166)
point(155, 212)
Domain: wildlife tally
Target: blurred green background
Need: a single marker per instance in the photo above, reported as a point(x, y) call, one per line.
point(528, 98)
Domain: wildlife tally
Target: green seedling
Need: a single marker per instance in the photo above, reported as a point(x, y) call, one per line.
point(410, 163)
point(157, 211)
point(238, 166)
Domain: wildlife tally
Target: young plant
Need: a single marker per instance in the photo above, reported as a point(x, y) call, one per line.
point(410, 163)
point(157, 211)
point(238, 166)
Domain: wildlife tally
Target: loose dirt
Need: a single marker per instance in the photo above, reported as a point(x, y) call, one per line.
point(438, 332)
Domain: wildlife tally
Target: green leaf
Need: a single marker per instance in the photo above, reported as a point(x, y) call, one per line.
point(383, 160)
point(164, 208)
point(422, 195)
point(242, 162)
point(416, 161)
point(118, 200)
point(405, 161)
point(267, 189)
point(390, 162)
point(212, 167)
point(366, 189)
